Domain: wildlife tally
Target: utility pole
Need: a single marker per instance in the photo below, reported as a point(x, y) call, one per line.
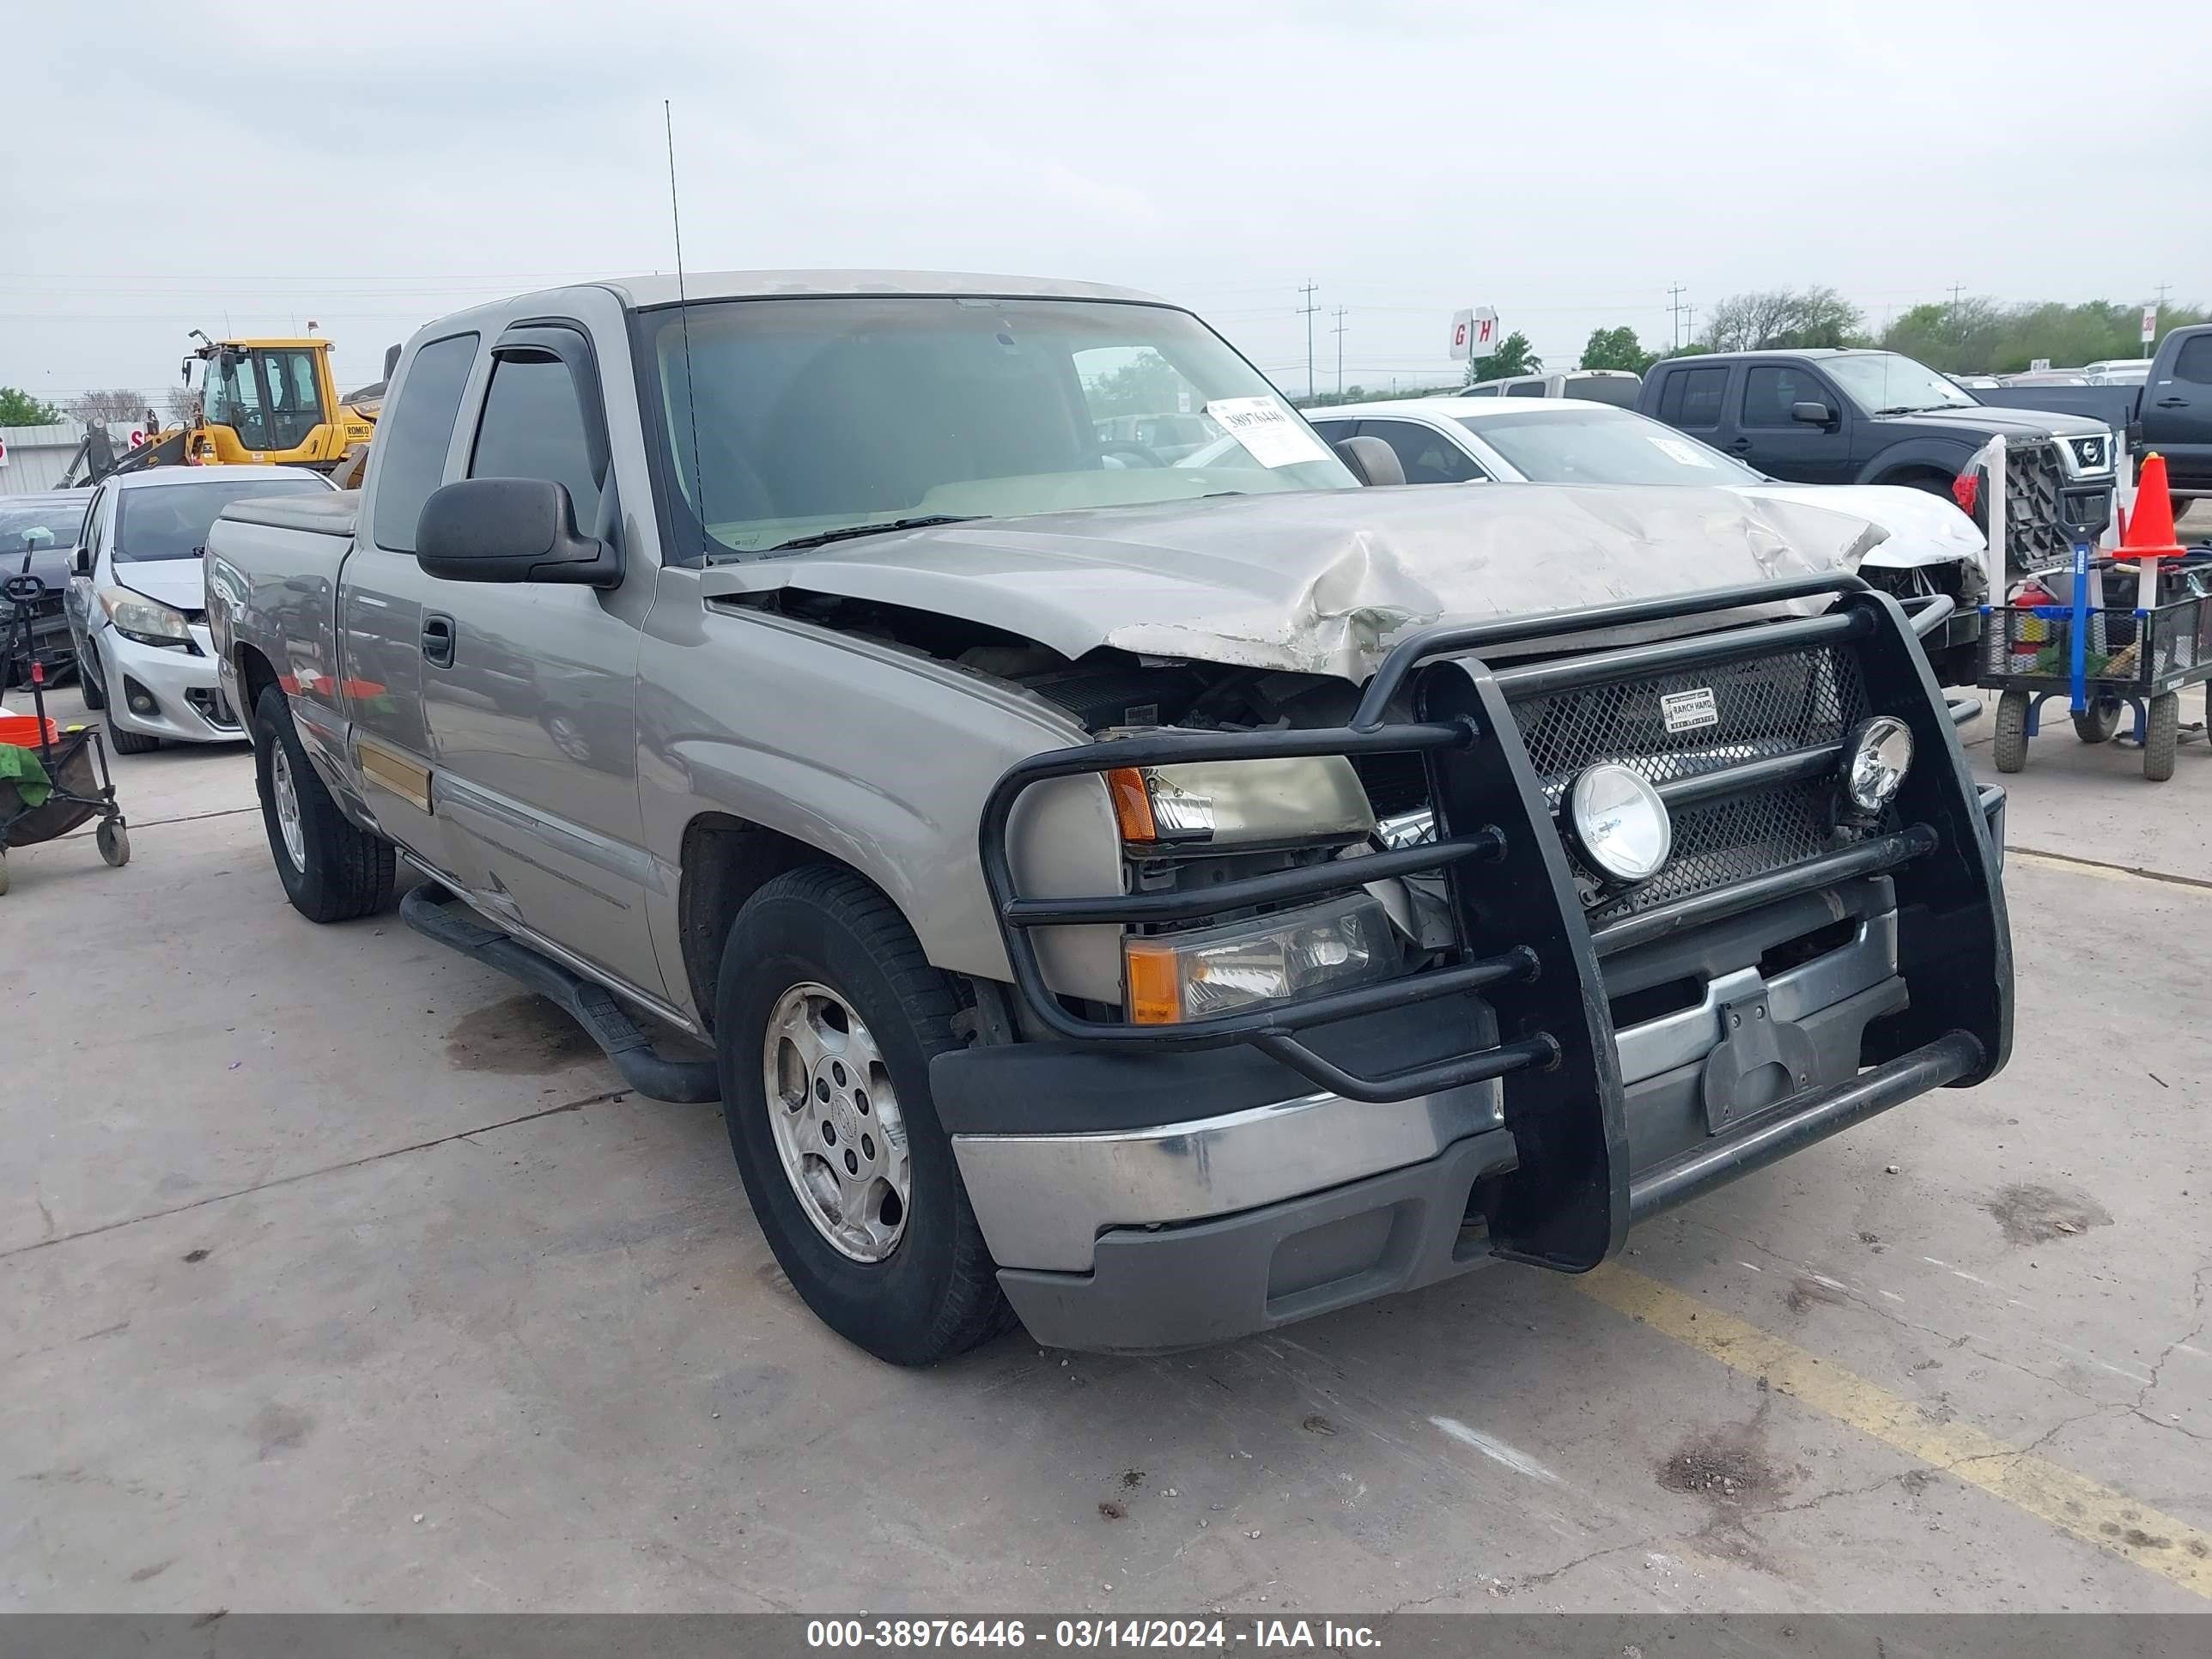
point(1307, 311)
point(1339, 331)
point(2159, 309)
point(1689, 325)
point(1674, 317)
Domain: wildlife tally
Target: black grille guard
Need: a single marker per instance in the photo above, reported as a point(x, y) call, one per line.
point(1528, 946)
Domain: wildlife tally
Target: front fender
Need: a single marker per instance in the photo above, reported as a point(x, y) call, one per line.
point(1948, 455)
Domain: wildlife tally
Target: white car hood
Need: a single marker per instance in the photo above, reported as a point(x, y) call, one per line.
point(1924, 529)
point(1322, 581)
point(181, 584)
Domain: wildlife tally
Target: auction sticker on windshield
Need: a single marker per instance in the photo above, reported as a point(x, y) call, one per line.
point(1675, 450)
point(1270, 433)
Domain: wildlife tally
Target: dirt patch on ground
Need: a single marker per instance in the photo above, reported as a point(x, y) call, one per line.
point(1804, 1292)
point(2035, 1215)
point(1726, 1467)
point(523, 1036)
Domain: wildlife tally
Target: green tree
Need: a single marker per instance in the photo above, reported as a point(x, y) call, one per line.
point(1146, 384)
point(1617, 348)
point(1513, 356)
point(1980, 336)
point(20, 407)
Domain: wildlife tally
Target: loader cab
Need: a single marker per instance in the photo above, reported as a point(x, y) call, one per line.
point(266, 401)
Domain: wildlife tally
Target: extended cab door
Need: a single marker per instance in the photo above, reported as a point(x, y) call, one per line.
point(529, 689)
point(2176, 412)
point(381, 602)
point(1691, 397)
point(1761, 427)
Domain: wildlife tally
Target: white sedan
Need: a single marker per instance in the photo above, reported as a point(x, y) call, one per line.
point(1932, 547)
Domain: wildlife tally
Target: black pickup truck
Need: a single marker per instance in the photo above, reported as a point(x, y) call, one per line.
point(1825, 416)
point(2170, 412)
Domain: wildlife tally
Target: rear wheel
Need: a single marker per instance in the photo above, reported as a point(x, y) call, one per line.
point(331, 870)
point(2161, 733)
point(827, 1015)
point(2098, 722)
point(2011, 741)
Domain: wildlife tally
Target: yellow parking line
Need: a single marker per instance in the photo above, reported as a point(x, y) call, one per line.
point(2072, 1503)
point(2067, 864)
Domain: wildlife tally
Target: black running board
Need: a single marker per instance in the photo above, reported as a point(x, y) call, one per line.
point(434, 914)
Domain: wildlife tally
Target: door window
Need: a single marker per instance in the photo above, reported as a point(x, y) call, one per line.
point(295, 407)
point(1333, 431)
point(1691, 397)
point(412, 441)
point(232, 396)
point(1425, 454)
point(2193, 363)
point(533, 428)
point(1770, 390)
point(1526, 389)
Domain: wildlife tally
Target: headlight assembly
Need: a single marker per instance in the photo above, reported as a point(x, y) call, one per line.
point(1175, 978)
point(1240, 803)
point(1876, 761)
point(147, 621)
point(1620, 823)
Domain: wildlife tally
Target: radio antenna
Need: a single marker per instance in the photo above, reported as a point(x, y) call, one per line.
point(683, 317)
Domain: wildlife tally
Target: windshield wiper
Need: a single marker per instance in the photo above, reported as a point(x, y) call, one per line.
point(1915, 409)
point(845, 532)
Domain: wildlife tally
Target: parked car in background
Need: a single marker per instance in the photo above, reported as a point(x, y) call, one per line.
point(1931, 546)
point(2168, 409)
point(1879, 417)
point(137, 602)
point(39, 535)
point(1048, 841)
point(1618, 386)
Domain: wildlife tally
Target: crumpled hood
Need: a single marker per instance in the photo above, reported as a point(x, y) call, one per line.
point(181, 584)
point(1923, 528)
point(1322, 581)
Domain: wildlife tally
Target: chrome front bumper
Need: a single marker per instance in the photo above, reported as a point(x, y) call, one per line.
point(1043, 1200)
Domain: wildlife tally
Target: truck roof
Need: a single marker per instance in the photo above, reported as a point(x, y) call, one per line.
point(660, 289)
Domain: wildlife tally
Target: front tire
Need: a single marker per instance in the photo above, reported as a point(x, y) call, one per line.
point(2098, 722)
point(331, 870)
point(827, 1015)
point(2161, 733)
point(90, 685)
point(130, 743)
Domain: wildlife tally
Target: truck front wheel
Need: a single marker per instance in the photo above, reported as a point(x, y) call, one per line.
point(332, 870)
point(826, 1017)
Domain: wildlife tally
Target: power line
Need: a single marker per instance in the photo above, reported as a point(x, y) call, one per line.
point(1307, 311)
point(1674, 317)
point(1339, 332)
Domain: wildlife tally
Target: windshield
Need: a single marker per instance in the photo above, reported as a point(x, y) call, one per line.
point(1602, 446)
point(816, 415)
point(1888, 384)
point(171, 521)
point(35, 528)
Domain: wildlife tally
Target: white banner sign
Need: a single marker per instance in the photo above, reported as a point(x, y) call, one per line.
point(2150, 324)
point(1474, 333)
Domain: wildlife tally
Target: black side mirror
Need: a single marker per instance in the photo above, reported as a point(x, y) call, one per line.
point(80, 562)
point(1371, 460)
point(1812, 414)
point(510, 530)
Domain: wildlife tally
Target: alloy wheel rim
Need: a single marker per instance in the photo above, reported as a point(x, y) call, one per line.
point(287, 808)
point(835, 1119)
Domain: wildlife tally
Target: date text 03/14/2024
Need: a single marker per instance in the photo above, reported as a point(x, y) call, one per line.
point(1325, 1635)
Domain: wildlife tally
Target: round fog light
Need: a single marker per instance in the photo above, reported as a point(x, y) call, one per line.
point(1876, 761)
point(1619, 823)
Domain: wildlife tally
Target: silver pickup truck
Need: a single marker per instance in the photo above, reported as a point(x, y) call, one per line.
point(1155, 897)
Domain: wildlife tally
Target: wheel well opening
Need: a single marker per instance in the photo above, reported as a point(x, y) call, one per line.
point(255, 673)
point(726, 861)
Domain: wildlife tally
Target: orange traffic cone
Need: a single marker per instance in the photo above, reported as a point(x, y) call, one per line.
point(2148, 533)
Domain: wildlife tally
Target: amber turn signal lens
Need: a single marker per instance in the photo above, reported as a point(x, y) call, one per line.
point(1155, 998)
point(1133, 804)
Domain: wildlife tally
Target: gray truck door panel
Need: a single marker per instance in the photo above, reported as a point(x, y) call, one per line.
point(531, 693)
point(381, 602)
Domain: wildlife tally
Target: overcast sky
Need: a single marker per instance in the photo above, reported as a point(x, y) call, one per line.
point(371, 166)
